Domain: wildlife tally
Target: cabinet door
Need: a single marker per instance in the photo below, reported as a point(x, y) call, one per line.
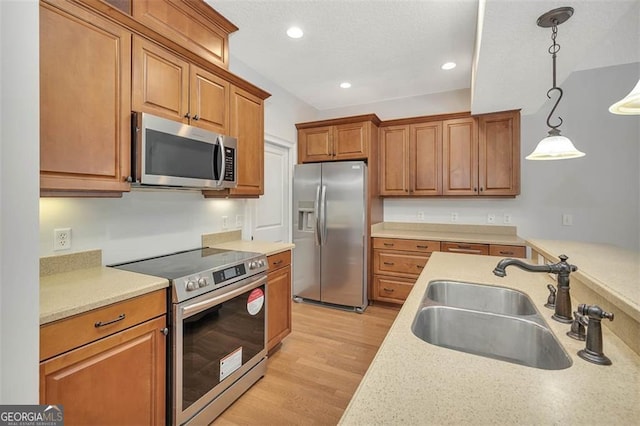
point(315, 144)
point(425, 156)
point(394, 159)
point(209, 101)
point(392, 289)
point(160, 81)
point(351, 142)
point(499, 154)
point(460, 157)
point(85, 101)
point(279, 300)
point(117, 380)
point(247, 125)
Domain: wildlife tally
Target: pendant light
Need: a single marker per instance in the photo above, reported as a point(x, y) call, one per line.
point(629, 105)
point(555, 146)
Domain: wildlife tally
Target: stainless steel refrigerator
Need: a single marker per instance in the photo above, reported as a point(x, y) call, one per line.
point(329, 233)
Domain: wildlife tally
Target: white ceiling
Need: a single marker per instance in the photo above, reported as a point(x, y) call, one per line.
point(390, 49)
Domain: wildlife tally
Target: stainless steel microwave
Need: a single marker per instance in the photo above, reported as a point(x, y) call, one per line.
point(171, 154)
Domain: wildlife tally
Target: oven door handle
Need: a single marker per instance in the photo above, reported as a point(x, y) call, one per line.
point(190, 310)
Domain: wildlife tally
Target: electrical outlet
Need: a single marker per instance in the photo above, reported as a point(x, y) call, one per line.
point(420, 215)
point(239, 221)
point(567, 219)
point(507, 218)
point(225, 222)
point(62, 239)
point(454, 217)
point(491, 218)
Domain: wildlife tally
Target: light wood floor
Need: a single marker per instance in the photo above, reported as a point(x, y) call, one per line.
point(311, 378)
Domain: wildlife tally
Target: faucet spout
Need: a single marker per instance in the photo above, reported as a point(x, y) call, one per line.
point(562, 269)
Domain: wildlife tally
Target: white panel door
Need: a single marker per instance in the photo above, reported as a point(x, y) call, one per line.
point(271, 212)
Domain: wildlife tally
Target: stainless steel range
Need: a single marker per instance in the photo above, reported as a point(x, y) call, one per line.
point(217, 317)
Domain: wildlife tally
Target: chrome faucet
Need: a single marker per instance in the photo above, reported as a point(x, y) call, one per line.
point(562, 269)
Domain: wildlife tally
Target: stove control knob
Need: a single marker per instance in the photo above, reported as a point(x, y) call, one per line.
point(262, 262)
point(191, 285)
point(252, 265)
point(202, 282)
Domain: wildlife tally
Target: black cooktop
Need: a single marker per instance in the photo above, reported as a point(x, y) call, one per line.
point(188, 262)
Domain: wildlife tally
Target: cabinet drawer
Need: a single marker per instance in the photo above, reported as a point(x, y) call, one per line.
point(510, 251)
point(391, 289)
point(69, 333)
point(408, 245)
point(279, 260)
point(398, 263)
point(467, 248)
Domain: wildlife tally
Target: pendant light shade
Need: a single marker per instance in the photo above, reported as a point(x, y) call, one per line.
point(629, 105)
point(555, 147)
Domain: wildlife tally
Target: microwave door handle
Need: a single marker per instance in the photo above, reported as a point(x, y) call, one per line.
point(220, 140)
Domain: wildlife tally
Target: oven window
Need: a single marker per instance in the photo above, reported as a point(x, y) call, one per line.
point(221, 332)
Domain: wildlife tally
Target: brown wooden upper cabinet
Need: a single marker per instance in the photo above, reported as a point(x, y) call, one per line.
point(334, 140)
point(411, 159)
point(85, 101)
point(481, 155)
point(451, 155)
point(193, 24)
point(170, 87)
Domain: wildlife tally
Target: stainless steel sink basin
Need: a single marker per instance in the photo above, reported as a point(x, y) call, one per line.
point(507, 338)
point(489, 321)
point(480, 297)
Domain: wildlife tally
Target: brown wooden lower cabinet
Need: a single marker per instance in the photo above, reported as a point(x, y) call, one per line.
point(278, 298)
point(485, 249)
point(397, 263)
point(114, 380)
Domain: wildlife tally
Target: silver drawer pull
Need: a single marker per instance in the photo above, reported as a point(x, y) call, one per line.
point(102, 324)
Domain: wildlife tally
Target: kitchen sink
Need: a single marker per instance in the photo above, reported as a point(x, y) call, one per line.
point(489, 321)
point(480, 297)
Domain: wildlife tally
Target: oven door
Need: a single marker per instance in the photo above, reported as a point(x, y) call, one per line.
point(218, 337)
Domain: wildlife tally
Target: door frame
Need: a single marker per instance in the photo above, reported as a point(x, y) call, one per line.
point(290, 147)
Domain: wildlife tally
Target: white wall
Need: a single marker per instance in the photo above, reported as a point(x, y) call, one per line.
point(601, 190)
point(437, 103)
point(282, 110)
point(140, 224)
point(19, 165)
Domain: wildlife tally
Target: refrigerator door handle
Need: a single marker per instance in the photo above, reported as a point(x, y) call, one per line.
point(316, 212)
point(323, 215)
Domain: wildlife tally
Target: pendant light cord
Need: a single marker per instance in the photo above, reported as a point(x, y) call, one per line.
point(553, 50)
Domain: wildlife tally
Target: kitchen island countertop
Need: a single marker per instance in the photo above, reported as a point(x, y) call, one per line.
point(413, 382)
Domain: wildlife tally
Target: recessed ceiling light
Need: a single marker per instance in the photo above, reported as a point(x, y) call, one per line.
point(295, 32)
point(448, 66)
point(345, 85)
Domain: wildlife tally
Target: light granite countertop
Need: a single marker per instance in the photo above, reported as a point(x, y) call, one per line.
point(78, 282)
point(413, 382)
point(69, 293)
point(603, 267)
point(480, 234)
